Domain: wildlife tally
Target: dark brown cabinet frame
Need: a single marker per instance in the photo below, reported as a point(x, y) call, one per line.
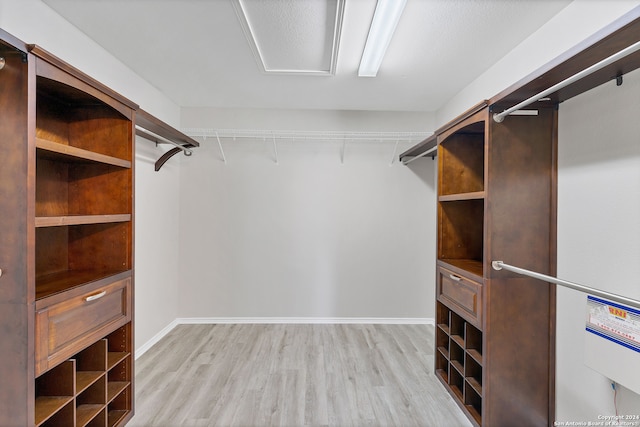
point(495, 333)
point(67, 230)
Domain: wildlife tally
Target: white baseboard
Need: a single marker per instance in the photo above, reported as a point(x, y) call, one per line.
point(309, 320)
point(157, 337)
point(283, 320)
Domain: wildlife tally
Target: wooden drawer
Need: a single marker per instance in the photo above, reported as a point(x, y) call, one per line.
point(461, 294)
point(66, 326)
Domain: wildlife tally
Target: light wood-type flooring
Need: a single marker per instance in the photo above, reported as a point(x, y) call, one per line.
point(292, 375)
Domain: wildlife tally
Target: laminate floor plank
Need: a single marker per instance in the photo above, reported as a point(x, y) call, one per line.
point(255, 375)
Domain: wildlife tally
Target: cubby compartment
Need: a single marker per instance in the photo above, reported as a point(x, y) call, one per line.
point(55, 391)
point(473, 342)
point(456, 327)
point(462, 161)
point(473, 404)
point(74, 187)
point(62, 418)
point(69, 256)
point(69, 116)
point(442, 365)
point(119, 407)
point(456, 382)
point(461, 228)
point(90, 402)
point(91, 367)
point(473, 374)
point(456, 355)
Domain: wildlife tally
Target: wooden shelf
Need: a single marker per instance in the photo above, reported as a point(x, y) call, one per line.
point(458, 366)
point(475, 355)
point(444, 327)
point(85, 378)
point(442, 374)
point(85, 413)
point(57, 221)
point(115, 357)
point(475, 195)
point(116, 416)
point(472, 266)
point(444, 352)
point(474, 414)
point(148, 126)
point(67, 153)
point(114, 388)
point(51, 284)
point(475, 384)
point(458, 340)
point(46, 406)
point(422, 147)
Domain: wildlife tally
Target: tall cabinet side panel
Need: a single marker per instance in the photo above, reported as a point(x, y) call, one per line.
point(16, 238)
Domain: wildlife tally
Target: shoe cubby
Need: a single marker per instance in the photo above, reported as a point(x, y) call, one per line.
point(458, 359)
point(91, 389)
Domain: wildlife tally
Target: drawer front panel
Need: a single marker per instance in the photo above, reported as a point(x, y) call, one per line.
point(65, 328)
point(461, 293)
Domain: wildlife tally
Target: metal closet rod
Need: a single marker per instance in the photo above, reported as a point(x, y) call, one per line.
point(499, 265)
point(499, 117)
point(305, 135)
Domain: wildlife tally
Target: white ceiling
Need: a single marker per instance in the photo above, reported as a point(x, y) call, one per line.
point(196, 52)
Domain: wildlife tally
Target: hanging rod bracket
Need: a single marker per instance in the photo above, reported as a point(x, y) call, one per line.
point(431, 151)
point(498, 118)
point(497, 265)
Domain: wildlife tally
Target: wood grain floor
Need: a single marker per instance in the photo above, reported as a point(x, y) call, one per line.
point(292, 375)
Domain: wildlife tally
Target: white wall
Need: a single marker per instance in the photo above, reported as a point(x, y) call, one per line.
point(579, 20)
point(598, 200)
point(598, 233)
point(308, 237)
point(156, 212)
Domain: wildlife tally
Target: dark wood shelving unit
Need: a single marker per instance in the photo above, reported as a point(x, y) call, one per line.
point(497, 201)
point(480, 216)
point(68, 294)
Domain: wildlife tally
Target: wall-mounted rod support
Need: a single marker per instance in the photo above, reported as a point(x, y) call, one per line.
point(395, 150)
point(499, 265)
point(2, 62)
point(499, 117)
point(344, 145)
point(224, 159)
point(140, 131)
point(275, 148)
point(429, 151)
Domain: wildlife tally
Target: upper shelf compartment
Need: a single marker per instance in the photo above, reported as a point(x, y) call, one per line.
point(76, 125)
point(155, 130)
point(462, 158)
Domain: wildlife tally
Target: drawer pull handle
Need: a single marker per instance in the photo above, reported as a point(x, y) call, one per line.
point(95, 296)
point(454, 277)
